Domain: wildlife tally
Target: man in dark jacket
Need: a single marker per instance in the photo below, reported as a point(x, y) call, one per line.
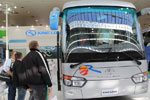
point(16, 66)
point(37, 73)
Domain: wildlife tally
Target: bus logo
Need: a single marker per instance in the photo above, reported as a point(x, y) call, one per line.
point(86, 68)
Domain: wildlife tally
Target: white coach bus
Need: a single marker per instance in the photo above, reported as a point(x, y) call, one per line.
point(101, 49)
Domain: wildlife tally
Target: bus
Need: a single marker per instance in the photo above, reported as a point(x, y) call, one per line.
point(100, 49)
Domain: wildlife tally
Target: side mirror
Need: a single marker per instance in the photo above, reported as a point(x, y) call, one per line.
point(54, 19)
point(143, 12)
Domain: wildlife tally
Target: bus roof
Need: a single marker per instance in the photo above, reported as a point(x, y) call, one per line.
point(98, 3)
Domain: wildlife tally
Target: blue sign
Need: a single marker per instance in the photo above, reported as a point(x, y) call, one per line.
point(32, 33)
point(54, 19)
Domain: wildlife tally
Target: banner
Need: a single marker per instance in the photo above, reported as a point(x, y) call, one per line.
point(2, 33)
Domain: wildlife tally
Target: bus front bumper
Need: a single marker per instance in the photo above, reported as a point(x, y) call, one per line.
point(105, 88)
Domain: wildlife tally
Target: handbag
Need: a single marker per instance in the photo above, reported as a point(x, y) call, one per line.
point(5, 77)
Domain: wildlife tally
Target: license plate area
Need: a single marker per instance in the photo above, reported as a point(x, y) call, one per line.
point(106, 92)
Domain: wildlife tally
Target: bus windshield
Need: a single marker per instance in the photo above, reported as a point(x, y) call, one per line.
point(101, 33)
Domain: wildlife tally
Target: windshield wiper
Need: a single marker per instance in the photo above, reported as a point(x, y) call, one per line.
point(133, 58)
point(75, 65)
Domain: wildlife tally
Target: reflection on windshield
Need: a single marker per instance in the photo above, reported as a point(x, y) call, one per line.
point(94, 29)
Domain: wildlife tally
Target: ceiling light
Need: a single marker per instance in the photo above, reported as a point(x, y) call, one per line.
point(32, 26)
point(2, 27)
point(9, 9)
point(36, 20)
point(17, 26)
point(15, 7)
point(47, 26)
point(0, 4)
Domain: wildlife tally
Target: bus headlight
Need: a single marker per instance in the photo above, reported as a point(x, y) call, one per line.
point(74, 81)
point(67, 82)
point(139, 78)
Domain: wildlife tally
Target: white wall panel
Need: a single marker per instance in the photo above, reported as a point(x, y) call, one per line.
point(20, 34)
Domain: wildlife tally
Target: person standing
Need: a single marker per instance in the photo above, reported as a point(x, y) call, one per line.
point(16, 65)
point(38, 73)
point(7, 67)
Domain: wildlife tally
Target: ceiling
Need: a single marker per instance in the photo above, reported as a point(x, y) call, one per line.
point(36, 12)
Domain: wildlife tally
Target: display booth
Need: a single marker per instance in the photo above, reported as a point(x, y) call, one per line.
point(19, 38)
